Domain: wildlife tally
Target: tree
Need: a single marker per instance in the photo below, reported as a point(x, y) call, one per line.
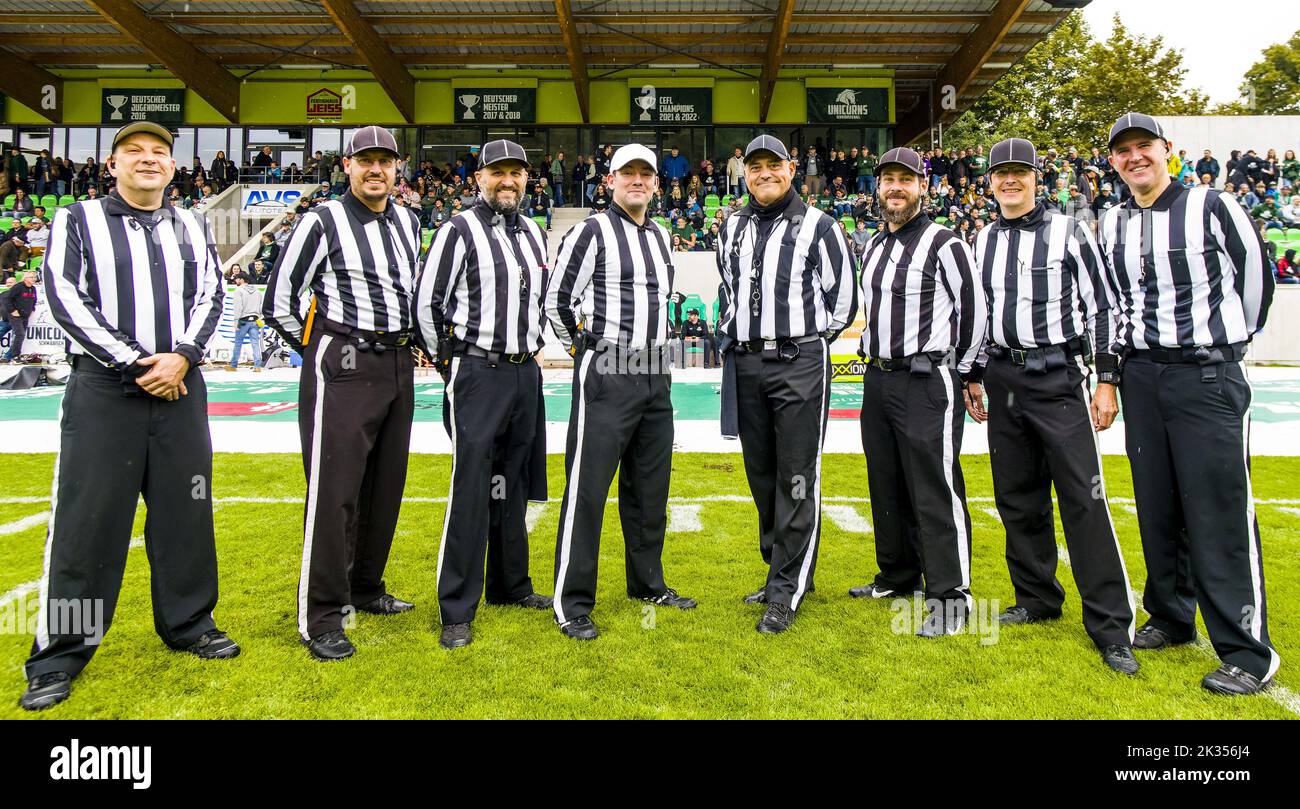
point(1070, 88)
point(1271, 86)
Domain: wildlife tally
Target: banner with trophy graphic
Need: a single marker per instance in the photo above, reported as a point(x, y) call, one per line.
point(671, 105)
point(122, 105)
point(496, 105)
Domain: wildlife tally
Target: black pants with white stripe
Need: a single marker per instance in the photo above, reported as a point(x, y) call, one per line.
point(619, 422)
point(354, 416)
point(114, 448)
point(492, 415)
point(782, 409)
point(1187, 442)
point(911, 435)
point(1040, 434)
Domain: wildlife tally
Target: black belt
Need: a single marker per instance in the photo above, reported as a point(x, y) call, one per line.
point(1036, 356)
point(760, 345)
point(380, 341)
point(919, 363)
point(494, 357)
point(85, 362)
point(623, 354)
point(1200, 355)
point(249, 319)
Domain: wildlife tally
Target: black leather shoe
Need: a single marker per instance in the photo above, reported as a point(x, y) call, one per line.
point(214, 645)
point(1120, 658)
point(455, 636)
point(331, 646)
point(1233, 682)
point(534, 601)
point(776, 620)
point(1017, 615)
point(874, 590)
point(580, 628)
point(757, 597)
point(1152, 638)
point(387, 605)
point(670, 598)
point(45, 690)
point(942, 622)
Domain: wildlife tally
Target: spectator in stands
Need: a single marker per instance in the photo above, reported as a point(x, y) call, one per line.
point(676, 167)
point(696, 329)
point(263, 161)
point(222, 172)
point(843, 207)
point(268, 251)
point(558, 178)
point(859, 238)
point(1290, 213)
point(600, 200)
point(17, 170)
point(1268, 212)
point(1269, 173)
point(866, 168)
point(282, 233)
point(677, 244)
point(23, 205)
point(13, 251)
point(682, 230)
point(321, 194)
point(814, 170)
point(736, 174)
point(304, 205)
point(1208, 165)
point(438, 215)
point(247, 311)
point(539, 204)
point(709, 241)
point(38, 236)
point(1287, 271)
point(43, 174)
point(1290, 169)
point(338, 177)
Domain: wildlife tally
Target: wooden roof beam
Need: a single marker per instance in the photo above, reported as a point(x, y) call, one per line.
point(379, 57)
point(776, 45)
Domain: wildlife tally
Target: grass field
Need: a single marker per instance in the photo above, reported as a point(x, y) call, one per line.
point(841, 659)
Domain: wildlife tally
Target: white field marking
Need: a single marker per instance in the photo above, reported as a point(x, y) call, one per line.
point(684, 518)
point(713, 498)
point(19, 592)
point(1295, 511)
point(1131, 509)
point(30, 521)
point(535, 512)
point(847, 518)
point(993, 512)
point(1062, 554)
point(24, 500)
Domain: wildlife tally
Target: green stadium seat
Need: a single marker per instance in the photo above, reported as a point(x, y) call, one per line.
point(710, 212)
point(712, 200)
point(6, 223)
point(83, 196)
point(66, 199)
point(744, 200)
point(10, 201)
point(541, 221)
point(726, 199)
point(26, 219)
point(717, 312)
point(34, 263)
point(1274, 235)
point(661, 220)
point(849, 222)
point(693, 301)
point(942, 220)
point(49, 202)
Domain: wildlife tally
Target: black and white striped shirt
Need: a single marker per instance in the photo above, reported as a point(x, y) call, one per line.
point(614, 278)
point(920, 294)
point(359, 264)
point(485, 282)
point(787, 277)
point(124, 283)
point(1045, 281)
point(1188, 271)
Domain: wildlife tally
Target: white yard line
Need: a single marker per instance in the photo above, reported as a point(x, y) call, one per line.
point(847, 518)
point(30, 521)
point(535, 512)
point(684, 518)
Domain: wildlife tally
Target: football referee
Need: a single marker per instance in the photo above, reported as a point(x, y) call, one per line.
point(479, 307)
point(1045, 283)
point(925, 321)
point(136, 287)
point(342, 293)
point(607, 300)
point(788, 290)
point(1193, 286)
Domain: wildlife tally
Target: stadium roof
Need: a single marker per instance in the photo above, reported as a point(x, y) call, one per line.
point(211, 44)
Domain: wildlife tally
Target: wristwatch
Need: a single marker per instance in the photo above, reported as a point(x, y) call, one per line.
point(1108, 377)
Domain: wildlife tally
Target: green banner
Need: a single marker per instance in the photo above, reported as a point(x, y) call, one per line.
point(122, 105)
point(671, 105)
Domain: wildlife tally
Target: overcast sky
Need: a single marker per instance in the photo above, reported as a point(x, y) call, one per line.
point(1219, 40)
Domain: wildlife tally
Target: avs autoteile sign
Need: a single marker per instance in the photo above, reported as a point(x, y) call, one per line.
point(495, 105)
point(836, 105)
point(268, 200)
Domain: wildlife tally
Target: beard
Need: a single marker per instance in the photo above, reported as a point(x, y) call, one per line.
point(497, 204)
point(900, 216)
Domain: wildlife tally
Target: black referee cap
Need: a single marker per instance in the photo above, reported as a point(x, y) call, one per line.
point(372, 137)
point(1135, 120)
point(902, 156)
point(766, 143)
point(1013, 151)
point(494, 151)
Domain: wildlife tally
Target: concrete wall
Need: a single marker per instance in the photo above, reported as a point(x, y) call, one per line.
point(1221, 134)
